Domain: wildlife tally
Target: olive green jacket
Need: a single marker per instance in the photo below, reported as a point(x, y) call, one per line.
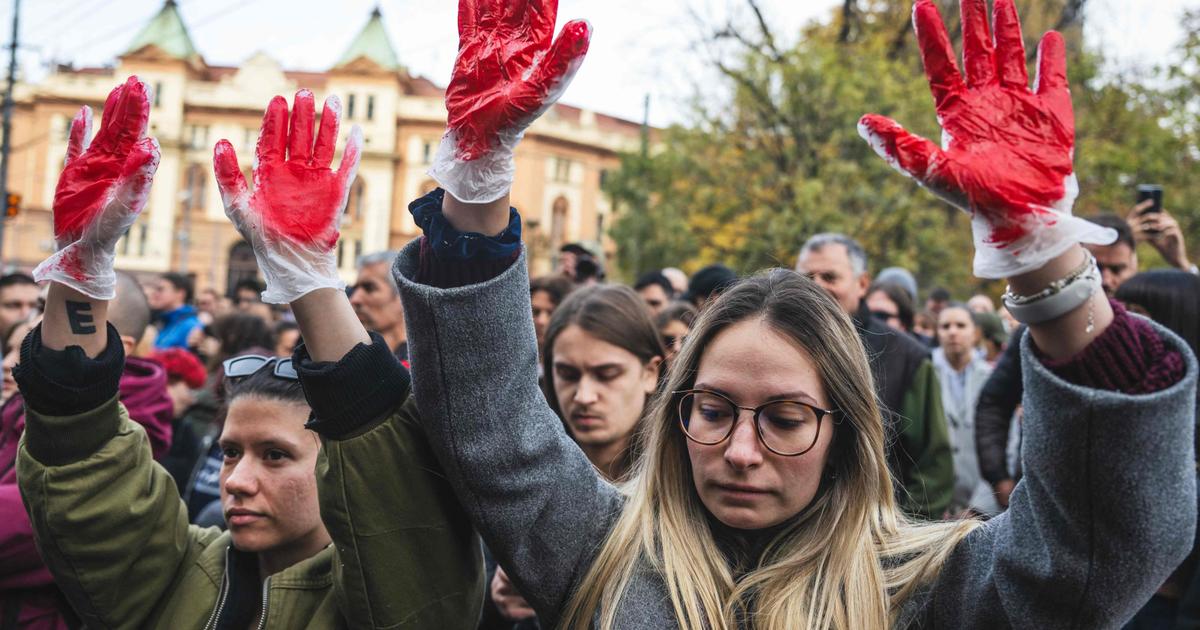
point(113, 531)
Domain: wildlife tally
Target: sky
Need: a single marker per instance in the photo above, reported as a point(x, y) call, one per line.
point(639, 47)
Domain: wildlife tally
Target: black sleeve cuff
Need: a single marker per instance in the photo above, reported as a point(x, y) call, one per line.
point(67, 382)
point(354, 394)
point(452, 273)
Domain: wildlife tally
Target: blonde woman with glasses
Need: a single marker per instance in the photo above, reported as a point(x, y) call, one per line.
point(763, 498)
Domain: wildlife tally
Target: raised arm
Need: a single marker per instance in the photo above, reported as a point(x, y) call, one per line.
point(1107, 506)
point(539, 503)
point(103, 514)
point(406, 554)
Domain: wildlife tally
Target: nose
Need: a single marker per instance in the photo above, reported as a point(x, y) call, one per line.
point(356, 296)
point(586, 391)
point(1109, 280)
point(242, 481)
point(743, 451)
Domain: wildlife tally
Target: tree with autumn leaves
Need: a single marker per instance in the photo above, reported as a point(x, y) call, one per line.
point(779, 157)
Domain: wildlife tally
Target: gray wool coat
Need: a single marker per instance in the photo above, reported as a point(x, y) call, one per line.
point(1106, 510)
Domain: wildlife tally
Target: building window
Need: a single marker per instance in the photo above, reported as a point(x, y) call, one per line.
point(198, 136)
point(249, 138)
point(427, 153)
point(370, 107)
point(558, 222)
point(158, 88)
point(562, 170)
point(194, 188)
point(350, 107)
point(66, 130)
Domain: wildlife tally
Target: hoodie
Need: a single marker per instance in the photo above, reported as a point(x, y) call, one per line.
point(24, 579)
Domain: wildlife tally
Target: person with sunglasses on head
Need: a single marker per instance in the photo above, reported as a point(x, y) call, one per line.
point(304, 441)
point(763, 496)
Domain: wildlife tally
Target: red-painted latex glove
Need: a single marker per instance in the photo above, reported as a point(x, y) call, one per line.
point(1007, 151)
point(291, 216)
point(101, 191)
point(507, 74)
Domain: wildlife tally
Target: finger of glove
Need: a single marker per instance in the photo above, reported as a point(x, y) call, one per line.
point(937, 53)
point(486, 14)
point(107, 115)
point(81, 128)
point(542, 15)
point(1051, 82)
point(514, 14)
point(979, 54)
point(327, 135)
point(137, 175)
point(132, 117)
point(230, 181)
point(348, 169)
point(558, 67)
point(906, 152)
point(300, 138)
point(1010, 46)
point(468, 16)
point(272, 139)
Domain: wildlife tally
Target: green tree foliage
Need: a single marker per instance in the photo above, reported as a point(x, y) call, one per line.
point(778, 158)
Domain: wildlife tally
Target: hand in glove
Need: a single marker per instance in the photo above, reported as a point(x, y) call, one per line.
point(291, 216)
point(102, 189)
point(1007, 151)
point(507, 74)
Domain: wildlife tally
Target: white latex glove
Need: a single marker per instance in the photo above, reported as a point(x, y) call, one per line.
point(508, 72)
point(291, 216)
point(102, 189)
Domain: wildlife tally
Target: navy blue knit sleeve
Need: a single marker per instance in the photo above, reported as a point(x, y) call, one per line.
point(450, 258)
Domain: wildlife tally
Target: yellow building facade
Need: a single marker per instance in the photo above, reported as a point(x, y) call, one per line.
point(560, 164)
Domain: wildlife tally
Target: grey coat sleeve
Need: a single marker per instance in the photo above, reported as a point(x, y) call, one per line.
point(537, 501)
point(1105, 512)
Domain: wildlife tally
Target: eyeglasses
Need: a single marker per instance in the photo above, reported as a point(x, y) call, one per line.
point(250, 364)
point(786, 427)
point(884, 315)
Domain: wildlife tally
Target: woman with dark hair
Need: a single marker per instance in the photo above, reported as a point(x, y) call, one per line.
point(545, 294)
point(892, 304)
point(301, 445)
point(237, 333)
point(674, 323)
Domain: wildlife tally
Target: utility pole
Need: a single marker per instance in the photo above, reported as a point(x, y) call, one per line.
point(7, 125)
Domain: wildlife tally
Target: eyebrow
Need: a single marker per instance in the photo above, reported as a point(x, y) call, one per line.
point(588, 368)
point(280, 444)
point(794, 395)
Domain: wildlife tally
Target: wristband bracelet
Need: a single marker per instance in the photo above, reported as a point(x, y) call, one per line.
point(1059, 298)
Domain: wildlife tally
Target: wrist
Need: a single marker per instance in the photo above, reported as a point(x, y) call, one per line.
point(73, 318)
point(489, 218)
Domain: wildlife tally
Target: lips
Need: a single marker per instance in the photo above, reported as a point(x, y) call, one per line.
point(240, 517)
point(586, 421)
point(737, 490)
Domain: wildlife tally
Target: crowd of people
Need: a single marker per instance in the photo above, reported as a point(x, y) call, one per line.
point(448, 443)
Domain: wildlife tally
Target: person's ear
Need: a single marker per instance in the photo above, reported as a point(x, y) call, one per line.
point(864, 282)
point(130, 345)
point(650, 375)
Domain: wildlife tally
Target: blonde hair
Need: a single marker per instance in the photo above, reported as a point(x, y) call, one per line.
point(847, 562)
